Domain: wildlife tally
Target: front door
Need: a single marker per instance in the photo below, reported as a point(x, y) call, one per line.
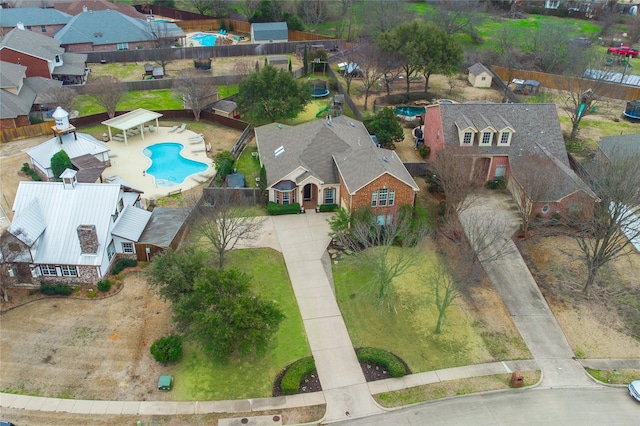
point(306, 192)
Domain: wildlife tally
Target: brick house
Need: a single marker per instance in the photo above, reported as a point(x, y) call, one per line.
point(43, 57)
point(44, 21)
point(70, 232)
point(107, 30)
point(332, 161)
point(500, 139)
point(19, 94)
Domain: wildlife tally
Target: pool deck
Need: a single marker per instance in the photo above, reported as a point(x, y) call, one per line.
point(128, 162)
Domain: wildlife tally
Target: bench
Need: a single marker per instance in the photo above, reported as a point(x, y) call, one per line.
point(176, 192)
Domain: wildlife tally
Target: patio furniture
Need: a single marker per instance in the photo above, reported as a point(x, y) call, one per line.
point(197, 150)
point(152, 128)
point(199, 179)
point(173, 129)
point(196, 142)
point(197, 137)
point(182, 128)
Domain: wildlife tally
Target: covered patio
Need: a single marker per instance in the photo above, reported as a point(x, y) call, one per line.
point(132, 123)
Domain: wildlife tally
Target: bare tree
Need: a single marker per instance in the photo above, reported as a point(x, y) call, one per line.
point(608, 232)
point(633, 31)
point(509, 53)
point(390, 67)
point(203, 7)
point(446, 290)
point(197, 91)
point(224, 225)
point(383, 16)
point(530, 182)
point(313, 12)
point(549, 45)
point(461, 16)
point(486, 235)
point(455, 173)
point(366, 57)
point(62, 96)
point(249, 8)
point(164, 38)
point(373, 243)
point(108, 92)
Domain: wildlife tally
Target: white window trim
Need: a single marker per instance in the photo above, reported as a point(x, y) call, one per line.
point(45, 270)
point(464, 138)
point(111, 250)
point(383, 197)
point(332, 199)
point(374, 199)
point(130, 248)
point(122, 46)
point(69, 270)
point(508, 134)
point(392, 197)
point(482, 141)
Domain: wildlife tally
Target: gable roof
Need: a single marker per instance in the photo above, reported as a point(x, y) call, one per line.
point(613, 146)
point(321, 148)
point(12, 105)
point(62, 211)
point(478, 68)
point(270, 31)
point(110, 27)
point(533, 124)
point(29, 225)
point(32, 16)
point(11, 75)
point(163, 226)
point(84, 144)
point(32, 43)
point(131, 223)
point(77, 6)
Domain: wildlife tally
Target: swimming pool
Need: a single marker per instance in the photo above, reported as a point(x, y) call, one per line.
point(168, 166)
point(410, 111)
point(205, 39)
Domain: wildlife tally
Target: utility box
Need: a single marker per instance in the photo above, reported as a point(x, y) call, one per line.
point(165, 383)
point(517, 379)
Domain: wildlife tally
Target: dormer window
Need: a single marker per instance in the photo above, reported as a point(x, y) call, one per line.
point(467, 139)
point(487, 137)
point(58, 59)
point(505, 137)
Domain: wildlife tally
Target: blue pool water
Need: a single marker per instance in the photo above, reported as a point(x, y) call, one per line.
point(410, 111)
point(168, 166)
point(205, 39)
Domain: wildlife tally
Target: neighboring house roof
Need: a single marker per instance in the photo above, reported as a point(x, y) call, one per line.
point(478, 68)
point(270, 31)
point(62, 211)
point(77, 6)
point(41, 85)
point(164, 225)
point(320, 148)
point(12, 105)
point(131, 223)
point(225, 106)
point(613, 146)
point(72, 64)
point(32, 16)
point(111, 27)
point(32, 43)
point(85, 144)
point(11, 75)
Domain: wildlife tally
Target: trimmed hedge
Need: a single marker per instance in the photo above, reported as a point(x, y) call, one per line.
point(279, 209)
point(384, 358)
point(295, 373)
point(56, 289)
point(123, 263)
point(328, 208)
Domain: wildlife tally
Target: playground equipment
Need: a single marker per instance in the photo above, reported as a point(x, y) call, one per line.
point(632, 111)
point(323, 111)
point(319, 89)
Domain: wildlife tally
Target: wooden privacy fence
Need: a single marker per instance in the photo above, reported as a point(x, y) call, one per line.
point(25, 132)
point(239, 196)
point(554, 81)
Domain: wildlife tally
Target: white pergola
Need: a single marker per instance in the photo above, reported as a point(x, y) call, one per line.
point(133, 119)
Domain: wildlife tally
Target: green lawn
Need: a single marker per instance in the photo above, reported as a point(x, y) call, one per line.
point(151, 99)
point(408, 332)
point(121, 71)
point(199, 378)
point(248, 165)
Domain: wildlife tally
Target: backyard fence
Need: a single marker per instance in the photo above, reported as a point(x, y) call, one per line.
point(239, 196)
point(247, 135)
point(8, 135)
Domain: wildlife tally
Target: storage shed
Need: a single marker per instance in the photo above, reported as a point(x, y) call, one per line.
point(269, 32)
point(479, 75)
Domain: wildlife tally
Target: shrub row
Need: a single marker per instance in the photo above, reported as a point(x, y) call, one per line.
point(328, 208)
point(28, 170)
point(384, 358)
point(295, 373)
point(277, 209)
point(123, 263)
point(56, 289)
point(498, 183)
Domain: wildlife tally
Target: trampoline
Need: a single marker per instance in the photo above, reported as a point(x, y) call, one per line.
point(632, 111)
point(319, 89)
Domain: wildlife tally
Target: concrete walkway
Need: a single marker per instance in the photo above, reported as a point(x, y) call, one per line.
point(303, 240)
point(522, 297)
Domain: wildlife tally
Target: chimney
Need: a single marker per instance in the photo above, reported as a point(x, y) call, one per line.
point(88, 238)
point(20, 26)
point(84, 8)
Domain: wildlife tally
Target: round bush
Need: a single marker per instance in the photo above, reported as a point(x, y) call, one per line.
point(384, 358)
point(104, 285)
point(167, 349)
point(295, 373)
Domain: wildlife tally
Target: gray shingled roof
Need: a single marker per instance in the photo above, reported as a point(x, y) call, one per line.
point(32, 16)
point(72, 64)
point(11, 75)
point(321, 148)
point(109, 27)
point(270, 31)
point(612, 146)
point(537, 130)
point(32, 43)
point(75, 7)
point(478, 68)
point(12, 106)
point(163, 226)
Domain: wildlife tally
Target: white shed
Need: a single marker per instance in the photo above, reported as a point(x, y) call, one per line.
point(479, 75)
point(269, 32)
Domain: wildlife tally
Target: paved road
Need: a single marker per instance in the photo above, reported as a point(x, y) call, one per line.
point(531, 407)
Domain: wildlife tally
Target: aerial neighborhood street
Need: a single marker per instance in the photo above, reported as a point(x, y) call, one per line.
point(357, 212)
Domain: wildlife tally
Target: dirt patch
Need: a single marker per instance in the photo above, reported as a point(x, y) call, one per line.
point(595, 327)
point(86, 348)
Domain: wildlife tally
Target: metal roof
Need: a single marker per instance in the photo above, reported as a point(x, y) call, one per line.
point(270, 31)
point(132, 119)
point(32, 16)
point(29, 225)
point(84, 144)
point(63, 210)
point(131, 223)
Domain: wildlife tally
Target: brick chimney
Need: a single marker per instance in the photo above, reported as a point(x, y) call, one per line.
point(88, 238)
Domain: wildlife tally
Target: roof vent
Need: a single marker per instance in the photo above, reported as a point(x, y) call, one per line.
point(84, 8)
point(385, 159)
point(278, 152)
point(279, 126)
point(97, 34)
point(352, 124)
point(20, 26)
